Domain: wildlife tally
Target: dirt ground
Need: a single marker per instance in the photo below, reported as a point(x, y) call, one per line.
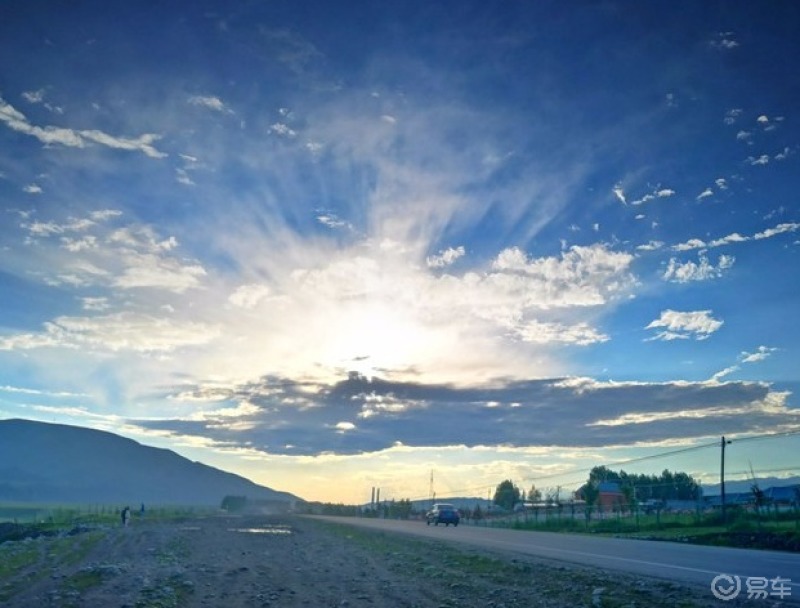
point(276, 561)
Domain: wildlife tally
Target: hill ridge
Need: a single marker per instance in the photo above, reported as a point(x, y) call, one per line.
point(47, 462)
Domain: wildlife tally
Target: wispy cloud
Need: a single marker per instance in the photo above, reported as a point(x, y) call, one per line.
point(657, 193)
point(210, 102)
point(735, 237)
point(762, 353)
point(51, 135)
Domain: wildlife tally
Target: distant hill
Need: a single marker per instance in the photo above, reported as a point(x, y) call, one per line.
point(55, 463)
point(744, 485)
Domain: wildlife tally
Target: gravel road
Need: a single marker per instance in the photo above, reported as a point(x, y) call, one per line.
point(277, 561)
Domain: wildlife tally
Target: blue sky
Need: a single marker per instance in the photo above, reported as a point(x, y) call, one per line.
point(332, 247)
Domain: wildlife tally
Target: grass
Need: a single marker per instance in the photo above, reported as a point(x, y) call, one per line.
point(691, 527)
point(61, 515)
point(30, 559)
point(23, 563)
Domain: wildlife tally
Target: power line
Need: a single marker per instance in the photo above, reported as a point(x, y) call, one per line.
point(715, 443)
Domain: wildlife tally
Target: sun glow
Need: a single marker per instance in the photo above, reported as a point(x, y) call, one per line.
point(377, 338)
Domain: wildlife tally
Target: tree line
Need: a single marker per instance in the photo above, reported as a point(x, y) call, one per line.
point(635, 488)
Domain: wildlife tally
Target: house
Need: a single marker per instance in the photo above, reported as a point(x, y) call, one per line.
point(610, 496)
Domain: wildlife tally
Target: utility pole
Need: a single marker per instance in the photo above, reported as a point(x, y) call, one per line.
point(723, 443)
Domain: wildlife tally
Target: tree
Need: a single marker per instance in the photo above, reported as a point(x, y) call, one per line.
point(534, 495)
point(590, 493)
point(506, 495)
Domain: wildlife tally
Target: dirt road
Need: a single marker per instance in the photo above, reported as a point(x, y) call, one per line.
point(276, 561)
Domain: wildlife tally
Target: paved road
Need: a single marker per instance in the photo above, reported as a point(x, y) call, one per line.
point(691, 564)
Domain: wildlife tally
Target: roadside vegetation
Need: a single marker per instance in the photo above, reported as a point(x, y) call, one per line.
point(668, 506)
point(58, 516)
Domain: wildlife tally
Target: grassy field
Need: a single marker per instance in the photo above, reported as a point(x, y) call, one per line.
point(60, 516)
point(741, 528)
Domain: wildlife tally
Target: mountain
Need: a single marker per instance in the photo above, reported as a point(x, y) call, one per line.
point(55, 463)
point(744, 485)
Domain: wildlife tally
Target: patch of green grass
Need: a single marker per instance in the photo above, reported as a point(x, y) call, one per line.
point(15, 557)
point(39, 557)
point(83, 580)
point(171, 593)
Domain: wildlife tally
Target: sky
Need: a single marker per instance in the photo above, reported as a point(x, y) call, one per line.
point(423, 247)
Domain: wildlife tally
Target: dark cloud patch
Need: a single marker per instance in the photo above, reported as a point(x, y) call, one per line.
point(361, 415)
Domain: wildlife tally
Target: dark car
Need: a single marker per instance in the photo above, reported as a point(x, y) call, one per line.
point(442, 513)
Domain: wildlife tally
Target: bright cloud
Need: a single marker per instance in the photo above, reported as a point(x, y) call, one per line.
point(402, 252)
point(445, 257)
point(677, 325)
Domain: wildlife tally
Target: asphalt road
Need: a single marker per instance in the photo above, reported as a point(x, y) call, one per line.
point(694, 565)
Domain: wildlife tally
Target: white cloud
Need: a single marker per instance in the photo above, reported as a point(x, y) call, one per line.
point(581, 334)
point(248, 296)
point(779, 229)
point(34, 96)
point(32, 189)
point(731, 116)
point(127, 257)
point(126, 331)
point(182, 177)
point(95, 304)
point(146, 270)
point(332, 221)
point(620, 194)
point(283, 130)
point(703, 270)
point(51, 135)
point(445, 257)
point(697, 324)
point(705, 194)
point(737, 238)
point(724, 42)
point(744, 358)
point(761, 353)
point(655, 194)
point(651, 246)
point(211, 102)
